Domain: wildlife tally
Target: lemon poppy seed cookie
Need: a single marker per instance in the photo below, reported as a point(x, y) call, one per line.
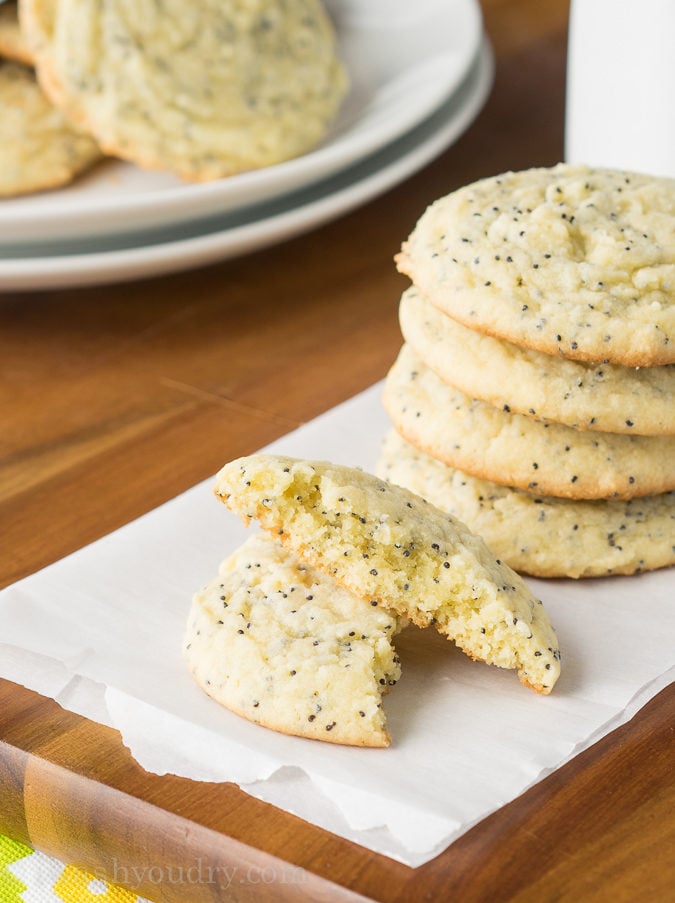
point(283, 645)
point(13, 46)
point(204, 90)
point(605, 397)
point(541, 535)
point(39, 148)
point(569, 260)
point(393, 549)
point(519, 451)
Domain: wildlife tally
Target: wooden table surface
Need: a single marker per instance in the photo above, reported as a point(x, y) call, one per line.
point(115, 399)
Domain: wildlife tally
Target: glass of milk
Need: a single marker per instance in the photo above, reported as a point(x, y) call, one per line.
point(620, 104)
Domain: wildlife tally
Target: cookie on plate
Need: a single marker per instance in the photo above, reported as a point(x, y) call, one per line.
point(569, 260)
point(283, 645)
point(606, 397)
point(541, 535)
point(393, 549)
point(519, 451)
point(12, 43)
point(39, 148)
point(204, 90)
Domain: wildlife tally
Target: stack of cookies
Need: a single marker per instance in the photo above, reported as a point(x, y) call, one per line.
point(533, 397)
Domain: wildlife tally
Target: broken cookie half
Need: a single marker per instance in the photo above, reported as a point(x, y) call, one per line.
point(394, 550)
point(296, 631)
point(281, 644)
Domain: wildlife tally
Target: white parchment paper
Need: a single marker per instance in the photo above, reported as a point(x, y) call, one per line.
point(100, 631)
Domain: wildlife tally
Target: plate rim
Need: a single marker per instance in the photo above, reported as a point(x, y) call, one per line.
point(107, 267)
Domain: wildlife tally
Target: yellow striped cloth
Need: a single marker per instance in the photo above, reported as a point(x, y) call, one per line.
point(27, 876)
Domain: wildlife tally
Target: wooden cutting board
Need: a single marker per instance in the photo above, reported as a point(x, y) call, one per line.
point(600, 828)
point(116, 399)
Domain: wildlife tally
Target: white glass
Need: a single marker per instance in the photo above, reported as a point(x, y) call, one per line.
point(620, 106)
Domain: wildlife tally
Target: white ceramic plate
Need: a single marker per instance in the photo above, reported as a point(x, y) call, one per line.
point(199, 243)
point(404, 61)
